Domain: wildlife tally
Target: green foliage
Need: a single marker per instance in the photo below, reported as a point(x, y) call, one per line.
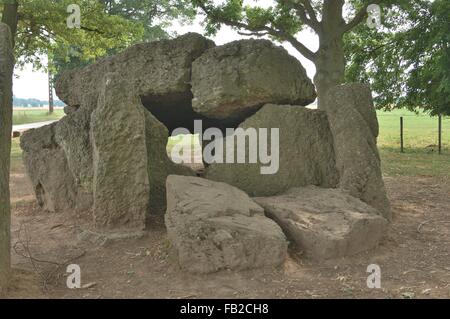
point(408, 61)
point(43, 27)
point(253, 18)
point(154, 16)
point(107, 26)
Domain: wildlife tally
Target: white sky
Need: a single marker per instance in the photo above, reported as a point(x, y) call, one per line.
point(32, 84)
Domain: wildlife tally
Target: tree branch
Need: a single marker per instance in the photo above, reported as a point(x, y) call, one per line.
point(310, 10)
point(359, 17)
point(303, 14)
point(263, 30)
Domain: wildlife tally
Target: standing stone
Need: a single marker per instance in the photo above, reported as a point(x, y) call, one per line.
point(6, 72)
point(232, 81)
point(214, 226)
point(121, 183)
point(306, 155)
point(46, 165)
point(130, 162)
point(72, 135)
point(325, 223)
point(354, 124)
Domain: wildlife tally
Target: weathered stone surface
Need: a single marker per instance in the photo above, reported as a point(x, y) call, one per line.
point(121, 183)
point(234, 80)
point(47, 167)
point(306, 155)
point(6, 72)
point(354, 124)
point(325, 223)
point(154, 69)
point(129, 159)
point(215, 226)
point(72, 135)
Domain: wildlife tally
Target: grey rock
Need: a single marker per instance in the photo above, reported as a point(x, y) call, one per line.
point(153, 69)
point(354, 124)
point(121, 183)
point(215, 226)
point(129, 159)
point(235, 80)
point(47, 167)
point(306, 155)
point(72, 135)
point(325, 223)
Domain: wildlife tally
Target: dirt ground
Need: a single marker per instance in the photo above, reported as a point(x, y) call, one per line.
point(414, 257)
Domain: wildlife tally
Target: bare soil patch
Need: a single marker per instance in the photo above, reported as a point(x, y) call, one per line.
point(414, 257)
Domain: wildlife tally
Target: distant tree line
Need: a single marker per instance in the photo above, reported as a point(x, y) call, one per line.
point(34, 102)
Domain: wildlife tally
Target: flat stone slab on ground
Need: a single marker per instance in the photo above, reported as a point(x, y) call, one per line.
point(325, 223)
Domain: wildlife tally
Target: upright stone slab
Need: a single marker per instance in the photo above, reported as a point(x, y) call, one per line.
point(354, 124)
point(130, 162)
point(232, 81)
point(6, 71)
point(47, 167)
point(121, 183)
point(214, 226)
point(306, 155)
point(72, 135)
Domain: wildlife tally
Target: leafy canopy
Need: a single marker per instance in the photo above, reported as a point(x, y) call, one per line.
point(107, 26)
point(407, 63)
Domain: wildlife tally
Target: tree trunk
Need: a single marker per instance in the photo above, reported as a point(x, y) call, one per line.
point(330, 65)
point(8, 30)
point(11, 17)
point(330, 59)
point(6, 73)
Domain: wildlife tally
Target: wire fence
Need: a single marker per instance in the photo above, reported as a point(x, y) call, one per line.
point(414, 132)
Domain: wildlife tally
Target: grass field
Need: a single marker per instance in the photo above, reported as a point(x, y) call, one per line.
point(21, 116)
point(420, 140)
point(420, 136)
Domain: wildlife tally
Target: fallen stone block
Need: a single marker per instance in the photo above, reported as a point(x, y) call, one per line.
point(214, 226)
point(325, 223)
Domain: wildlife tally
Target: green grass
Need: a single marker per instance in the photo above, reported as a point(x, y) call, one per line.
point(34, 116)
point(16, 156)
point(420, 140)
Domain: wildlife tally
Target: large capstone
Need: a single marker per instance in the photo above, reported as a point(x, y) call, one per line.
point(214, 226)
point(354, 124)
point(153, 71)
point(325, 223)
point(304, 148)
point(232, 81)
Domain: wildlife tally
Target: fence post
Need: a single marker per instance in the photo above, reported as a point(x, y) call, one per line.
point(402, 149)
point(440, 134)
